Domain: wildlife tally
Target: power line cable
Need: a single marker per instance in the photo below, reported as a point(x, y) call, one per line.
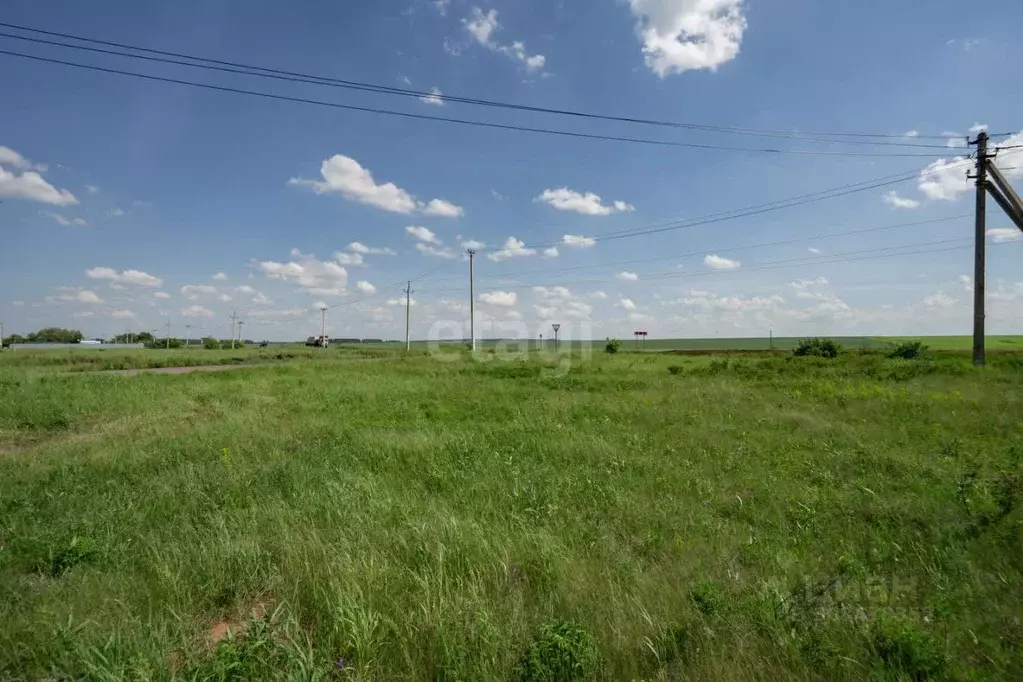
point(460, 121)
point(407, 92)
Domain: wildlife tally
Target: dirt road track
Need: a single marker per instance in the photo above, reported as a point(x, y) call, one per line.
point(173, 370)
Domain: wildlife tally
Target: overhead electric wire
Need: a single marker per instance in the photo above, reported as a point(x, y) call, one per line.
point(408, 92)
point(460, 121)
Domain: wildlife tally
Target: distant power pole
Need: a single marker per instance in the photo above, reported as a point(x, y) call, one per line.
point(188, 329)
point(408, 303)
point(979, 246)
point(541, 341)
point(323, 326)
point(472, 302)
point(240, 323)
point(234, 316)
point(770, 338)
point(168, 335)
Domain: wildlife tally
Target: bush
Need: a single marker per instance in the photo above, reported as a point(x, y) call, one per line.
point(211, 344)
point(560, 651)
point(821, 348)
point(675, 370)
point(612, 346)
point(908, 350)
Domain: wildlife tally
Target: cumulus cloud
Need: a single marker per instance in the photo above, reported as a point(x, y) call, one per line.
point(435, 98)
point(513, 248)
point(626, 304)
point(344, 175)
point(261, 299)
point(358, 247)
point(132, 277)
point(944, 180)
point(77, 295)
point(716, 262)
point(316, 277)
point(482, 28)
point(401, 301)
point(345, 258)
point(364, 287)
point(194, 291)
point(551, 252)
point(423, 234)
point(627, 276)
point(472, 244)
point(122, 314)
point(506, 299)
point(439, 252)
point(685, 35)
point(939, 300)
point(578, 240)
point(29, 184)
point(895, 201)
point(162, 295)
point(220, 277)
point(196, 311)
point(443, 209)
point(1004, 234)
point(585, 203)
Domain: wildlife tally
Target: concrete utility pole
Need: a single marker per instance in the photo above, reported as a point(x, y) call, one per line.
point(408, 302)
point(234, 316)
point(323, 326)
point(472, 302)
point(240, 323)
point(168, 335)
point(979, 246)
point(188, 328)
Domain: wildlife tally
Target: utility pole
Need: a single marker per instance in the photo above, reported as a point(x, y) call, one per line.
point(240, 323)
point(188, 334)
point(979, 247)
point(234, 316)
point(323, 326)
point(168, 335)
point(541, 341)
point(408, 302)
point(472, 302)
point(1, 335)
point(556, 327)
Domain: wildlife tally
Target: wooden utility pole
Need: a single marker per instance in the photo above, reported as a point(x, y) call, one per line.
point(472, 303)
point(408, 303)
point(979, 247)
point(234, 316)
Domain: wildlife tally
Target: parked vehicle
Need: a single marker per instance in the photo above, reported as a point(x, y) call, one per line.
point(318, 341)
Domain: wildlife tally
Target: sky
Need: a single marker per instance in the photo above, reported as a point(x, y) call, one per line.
point(142, 205)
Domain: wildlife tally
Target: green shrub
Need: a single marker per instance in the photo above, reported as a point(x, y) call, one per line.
point(675, 370)
point(561, 651)
point(817, 347)
point(903, 648)
point(211, 344)
point(612, 346)
point(908, 350)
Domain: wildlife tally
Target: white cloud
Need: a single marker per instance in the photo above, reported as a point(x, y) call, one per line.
point(423, 234)
point(978, 127)
point(597, 294)
point(193, 291)
point(1004, 234)
point(482, 27)
point(497, 195)
point(716, 262)
point(365, 287)
point(683, 35)
point(578, 240)
point(955, 140)
point(943, 179)
point(348, 258)
point(57, 218)
point(261, 299)
point(316, 277)
point(911, 133)
point(442, 6)
point(401, 301)
point(196, 311)
point(627, 276)
point(804, 284)
point(513, 248)
point(895, 201)
point(77, 295)
point(505, 299)
point(29, 185)
point(550, 293)
point(565, 199)
point(246, 289)
point(939, 300)
point(813, 250)
point(225, 298)
point(734, 304)
point(472, 244)
point(162, 295)
point(440, 252)
point(220, 277)
point(443, 209)
point(79, 222)
point(92, 189)
point(626, 304)
point(551, 252)
point(134, 277)
point(84, 314)
point(344, 175)
point(358, 247)
point(122, 314)
point(435, 98)
point(115, 212)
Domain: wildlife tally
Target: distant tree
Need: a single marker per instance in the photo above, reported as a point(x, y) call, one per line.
point(822, 348)
point(55, 335)
point(14, 338)
point(612, 346)
point(210, 344)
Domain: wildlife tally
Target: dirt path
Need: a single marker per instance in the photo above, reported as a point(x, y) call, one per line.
point(173, 370)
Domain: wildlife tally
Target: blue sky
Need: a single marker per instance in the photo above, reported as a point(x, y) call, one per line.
point(128, 204)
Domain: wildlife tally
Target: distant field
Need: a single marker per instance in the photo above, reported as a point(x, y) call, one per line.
point(960, 342)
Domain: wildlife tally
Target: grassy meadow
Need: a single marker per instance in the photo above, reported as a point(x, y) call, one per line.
point(361, 515)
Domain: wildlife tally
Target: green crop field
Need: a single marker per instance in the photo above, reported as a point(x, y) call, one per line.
point(356, 514)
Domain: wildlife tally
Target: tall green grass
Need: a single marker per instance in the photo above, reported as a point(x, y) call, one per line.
point(739, 518)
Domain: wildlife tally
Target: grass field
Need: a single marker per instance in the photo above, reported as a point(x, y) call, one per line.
point(360, 515)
